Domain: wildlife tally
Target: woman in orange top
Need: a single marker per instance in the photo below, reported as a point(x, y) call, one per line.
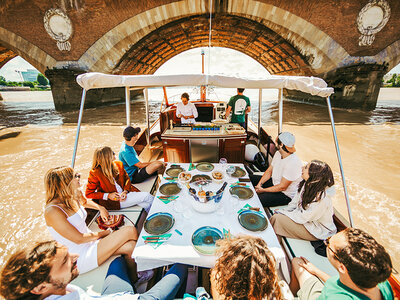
point(109, 183)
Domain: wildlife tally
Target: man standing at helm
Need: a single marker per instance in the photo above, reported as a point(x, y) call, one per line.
point(240, 106)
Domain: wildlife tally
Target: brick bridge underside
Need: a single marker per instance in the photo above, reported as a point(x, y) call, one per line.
point(247, 36)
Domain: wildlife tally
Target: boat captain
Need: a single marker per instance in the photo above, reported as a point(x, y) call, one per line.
point(186, 111)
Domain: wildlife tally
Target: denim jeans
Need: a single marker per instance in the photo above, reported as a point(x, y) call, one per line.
point(117, 280)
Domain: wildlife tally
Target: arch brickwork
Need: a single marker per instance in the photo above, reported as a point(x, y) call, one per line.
point(262, 44)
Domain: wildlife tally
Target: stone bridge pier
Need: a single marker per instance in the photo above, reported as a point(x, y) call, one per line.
point(351, 44)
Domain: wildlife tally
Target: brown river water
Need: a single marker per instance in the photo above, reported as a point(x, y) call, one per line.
point(34, 137)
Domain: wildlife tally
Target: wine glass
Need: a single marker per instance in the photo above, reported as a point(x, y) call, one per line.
point(229, 171)
point(223, 163)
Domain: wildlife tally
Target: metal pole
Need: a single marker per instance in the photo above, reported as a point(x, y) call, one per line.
point(259, 114)
point(328, 102)
point(146, 98)
point(128, 105)
point(280, 112)
point(79, 127)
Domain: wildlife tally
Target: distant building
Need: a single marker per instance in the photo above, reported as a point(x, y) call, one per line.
point(28, 75)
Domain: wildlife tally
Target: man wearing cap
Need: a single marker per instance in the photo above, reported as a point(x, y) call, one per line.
point(138, 171)
point(278, 185)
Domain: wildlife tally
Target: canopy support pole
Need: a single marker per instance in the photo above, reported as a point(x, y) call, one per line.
point(128, 105)
point(328, 102)
point(259, 115)
point(78, 129)
point(146, 98)
point(280, 111)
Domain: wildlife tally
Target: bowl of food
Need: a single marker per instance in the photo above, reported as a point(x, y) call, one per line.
point(218, 176)
point(184, 177)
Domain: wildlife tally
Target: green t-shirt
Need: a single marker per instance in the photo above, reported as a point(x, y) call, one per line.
point(239, 103)
point(334, 289)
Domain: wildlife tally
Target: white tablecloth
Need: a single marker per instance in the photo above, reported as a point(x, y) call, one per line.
point(179, 249)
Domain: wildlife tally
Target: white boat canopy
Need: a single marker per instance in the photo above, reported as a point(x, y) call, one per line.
point(312, 85)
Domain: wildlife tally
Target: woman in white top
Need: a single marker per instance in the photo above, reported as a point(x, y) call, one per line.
point(186, 111)
point(65, 218)
point(309, 216)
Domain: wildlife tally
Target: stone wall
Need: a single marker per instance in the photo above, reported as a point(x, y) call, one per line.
point(67, 94)
point(356, 87)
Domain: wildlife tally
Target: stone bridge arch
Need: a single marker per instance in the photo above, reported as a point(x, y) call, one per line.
point(12, 45)
point(315, 46)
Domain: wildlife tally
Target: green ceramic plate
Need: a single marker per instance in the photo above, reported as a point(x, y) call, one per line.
point(239, 172)
point(159, 223)
point(204, 239)
point(174, 172)
point(252, 220)
point(170, 189)
point(204, 167)
point(241, 192)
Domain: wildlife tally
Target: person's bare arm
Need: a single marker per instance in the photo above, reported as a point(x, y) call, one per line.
point(266, 176)
point(56, 219)
point(282, 186)
point(313, 270)
point(141, 165)
point(228, 111)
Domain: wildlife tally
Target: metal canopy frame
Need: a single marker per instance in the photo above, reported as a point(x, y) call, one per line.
point(280, 124)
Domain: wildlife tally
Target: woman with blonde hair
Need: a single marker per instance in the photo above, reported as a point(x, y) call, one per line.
point(246, 269)
point(65, 217)
point(109, 184)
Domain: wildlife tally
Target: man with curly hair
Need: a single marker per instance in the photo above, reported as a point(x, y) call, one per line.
point(362, 263)
point(246, 269)
point(46, 270)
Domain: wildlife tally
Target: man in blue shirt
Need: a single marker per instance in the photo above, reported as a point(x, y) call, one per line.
point(138, 171)
point(363, 266)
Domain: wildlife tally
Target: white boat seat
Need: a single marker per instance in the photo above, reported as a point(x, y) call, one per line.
point(297, 248)
point(149, 185)
point(92, 281)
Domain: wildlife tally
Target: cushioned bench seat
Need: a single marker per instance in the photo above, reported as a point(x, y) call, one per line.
point(297, 248)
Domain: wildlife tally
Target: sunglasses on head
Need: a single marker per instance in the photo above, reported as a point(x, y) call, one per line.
point(326, 242)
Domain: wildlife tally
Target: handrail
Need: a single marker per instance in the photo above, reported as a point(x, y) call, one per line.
point(280, 111)
point(328, 102)
point(128, 105)
point(79, 127)
point(259, 114)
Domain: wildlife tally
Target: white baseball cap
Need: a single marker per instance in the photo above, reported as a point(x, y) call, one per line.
point(288, 140)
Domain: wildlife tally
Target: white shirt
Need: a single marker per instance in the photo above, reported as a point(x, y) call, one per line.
point(290, 169)
point(76, 293)
point(186, 110)
point(317, 218)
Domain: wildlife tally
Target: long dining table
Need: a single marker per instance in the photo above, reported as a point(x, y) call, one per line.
point(178, 247)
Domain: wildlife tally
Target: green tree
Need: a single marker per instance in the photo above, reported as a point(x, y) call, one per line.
point(42, 79)
point(28, 83)
point(393, 81)
point(3, 81)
